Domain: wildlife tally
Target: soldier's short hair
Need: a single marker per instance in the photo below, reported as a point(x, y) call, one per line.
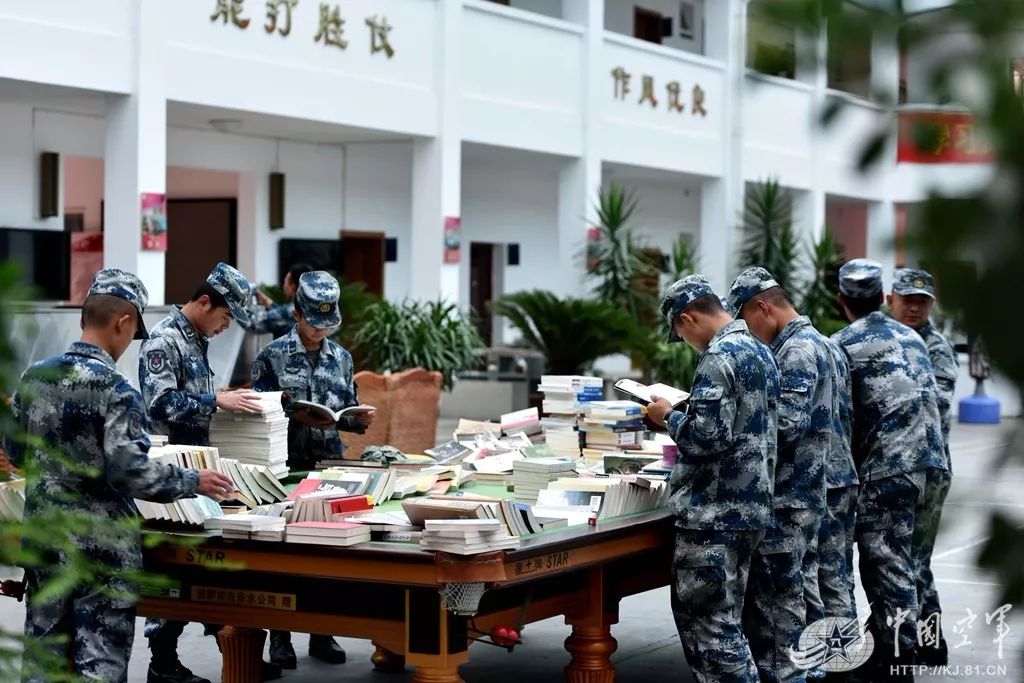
point(99, 310)
point(862, 306)
point(297, 270)
point(708, 304)
point(217, 299)
point(773, 295)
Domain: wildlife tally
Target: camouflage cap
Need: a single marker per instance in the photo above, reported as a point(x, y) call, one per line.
point(124, 285)
point(235, 289)
point(748, 283)
point(678, 296)
point(317, 299)
point(910, 281)
point(860, 278)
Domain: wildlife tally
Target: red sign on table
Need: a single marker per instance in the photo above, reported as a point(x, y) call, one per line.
point(941, 138)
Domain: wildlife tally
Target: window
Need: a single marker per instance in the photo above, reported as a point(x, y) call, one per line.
point(647, 25)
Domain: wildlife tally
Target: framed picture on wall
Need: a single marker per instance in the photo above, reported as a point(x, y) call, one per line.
point(687, 29)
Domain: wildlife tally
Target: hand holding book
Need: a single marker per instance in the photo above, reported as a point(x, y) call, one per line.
point(321, 416)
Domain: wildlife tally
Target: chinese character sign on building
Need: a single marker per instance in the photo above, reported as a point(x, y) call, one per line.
point(673, 97)
point(332, 28)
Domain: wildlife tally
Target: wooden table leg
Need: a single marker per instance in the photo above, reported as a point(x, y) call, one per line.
point(591, 648)
point(436, 641)
point(591, 644)
point(242, 652)
point(386, 661)
point(426, 674)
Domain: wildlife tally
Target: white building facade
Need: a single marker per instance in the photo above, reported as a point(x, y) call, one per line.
point(399, 119)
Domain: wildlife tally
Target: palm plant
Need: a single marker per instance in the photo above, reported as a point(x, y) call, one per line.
point(820, 300)
point(615, 259)
point(571, 333)
point(770, 241)
point(433, 335)
point(683, 259)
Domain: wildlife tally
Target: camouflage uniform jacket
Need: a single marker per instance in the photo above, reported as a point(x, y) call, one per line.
point(94, 459)
point(727, 437)
point(944, 367)
point(840, 470)
point(177, 382)
point(807, 403)
point(896, 427)
point(284, 365)
point(276, 320)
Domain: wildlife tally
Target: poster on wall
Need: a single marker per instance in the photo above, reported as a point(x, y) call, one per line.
point(593, 248)
point(86, 259)
point(452, 242)
point(154, 221)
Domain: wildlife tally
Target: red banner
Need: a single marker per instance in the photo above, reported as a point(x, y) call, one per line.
point(941, 138)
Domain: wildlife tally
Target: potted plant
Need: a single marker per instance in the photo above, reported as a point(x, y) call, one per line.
point(408, 352)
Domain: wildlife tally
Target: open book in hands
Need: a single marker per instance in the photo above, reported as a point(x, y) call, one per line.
point(319, 411)
point(642, 393)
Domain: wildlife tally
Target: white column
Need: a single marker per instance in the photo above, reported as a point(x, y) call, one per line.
point(882, 236)
point(812, 69)
point(136, 153)
point(579, 180)
point(722, 198)
point(437, 172)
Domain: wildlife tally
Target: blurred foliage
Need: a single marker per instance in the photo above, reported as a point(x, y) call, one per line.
point(983, 224)
point(820, 298)
point(571, 333)
point(433, 335)
point(683, 259)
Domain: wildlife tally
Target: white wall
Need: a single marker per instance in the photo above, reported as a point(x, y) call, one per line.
point(378, 198)
point(506, 202)
point(549, 8)
point(618, 17)
point(665, 209)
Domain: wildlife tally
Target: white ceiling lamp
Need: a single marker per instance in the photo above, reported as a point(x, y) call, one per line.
point(226, 125)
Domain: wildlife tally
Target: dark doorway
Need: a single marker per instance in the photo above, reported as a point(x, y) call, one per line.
point(647, 25)
point(362, 256)
point(481, 286)
point(200, 233)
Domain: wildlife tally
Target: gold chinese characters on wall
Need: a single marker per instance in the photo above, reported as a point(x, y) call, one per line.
point(331, 31)
point(649, 93)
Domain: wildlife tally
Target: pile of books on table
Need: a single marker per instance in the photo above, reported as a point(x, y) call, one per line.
point(565, 397)
point(466, 536)
point(248, 527)
point(521, 422)
point(611, 427)
point(339, 534)
point(258, 439)
point(530, 476)
point(608, 496)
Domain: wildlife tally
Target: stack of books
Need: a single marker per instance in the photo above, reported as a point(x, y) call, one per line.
point(529, 477)
point(260, 439)
point(326, 506)
point(248, 527)
point(466, 536)
point(338, 534)
point(611, 496)
point(521, 422)
point(611, 427)
point(157, 440)
point(565, 397)
point(376, 482)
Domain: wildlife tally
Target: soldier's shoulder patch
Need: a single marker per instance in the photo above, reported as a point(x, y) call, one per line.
point(156, 360)
point(135, 425)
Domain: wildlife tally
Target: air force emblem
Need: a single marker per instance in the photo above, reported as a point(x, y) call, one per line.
point(325, 308)
point(156, 361)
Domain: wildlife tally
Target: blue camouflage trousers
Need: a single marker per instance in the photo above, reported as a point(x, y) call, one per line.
point(926, 528)
point(776, 608)
point(709, 580)
point(93, 627)
point(833, 580)
point(886, 512)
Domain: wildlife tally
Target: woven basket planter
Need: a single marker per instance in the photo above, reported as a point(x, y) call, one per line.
point(408, 404)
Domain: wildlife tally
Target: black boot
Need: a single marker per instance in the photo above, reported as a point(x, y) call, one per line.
point(326, 649)
point(165, 666)
point(281, 651)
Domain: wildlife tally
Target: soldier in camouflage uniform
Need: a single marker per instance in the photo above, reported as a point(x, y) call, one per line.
point(722, 485)
point(92, 462)
point(277, 319)
point(897, 438)
point(178, 388)
point(310, 367)
point(913, 294)
point(777, 606)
